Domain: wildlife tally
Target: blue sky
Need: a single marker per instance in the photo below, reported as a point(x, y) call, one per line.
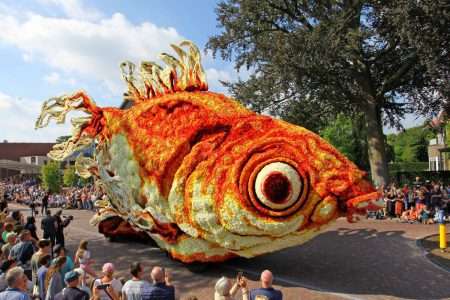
point(53, 47)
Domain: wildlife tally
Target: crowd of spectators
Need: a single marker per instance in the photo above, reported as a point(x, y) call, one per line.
point(31, 193)
point(34, 268)
point(423, 202)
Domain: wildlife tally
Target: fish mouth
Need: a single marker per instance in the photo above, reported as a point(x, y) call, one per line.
point(359, 205)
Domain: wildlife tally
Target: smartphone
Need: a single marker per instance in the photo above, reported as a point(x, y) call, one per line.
point(103, 286)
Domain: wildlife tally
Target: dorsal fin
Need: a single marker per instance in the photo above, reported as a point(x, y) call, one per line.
point(180, 74)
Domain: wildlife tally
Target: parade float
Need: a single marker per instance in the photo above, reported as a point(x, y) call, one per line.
point(204, 177)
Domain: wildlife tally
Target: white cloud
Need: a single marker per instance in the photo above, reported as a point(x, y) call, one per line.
point(17, 117)
point(55, 78)
point(89, 49)
point(52, 78)
point(74, 9)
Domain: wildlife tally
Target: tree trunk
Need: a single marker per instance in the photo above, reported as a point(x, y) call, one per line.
point(375, 143)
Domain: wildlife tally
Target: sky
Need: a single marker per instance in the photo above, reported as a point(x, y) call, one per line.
point(54, 47)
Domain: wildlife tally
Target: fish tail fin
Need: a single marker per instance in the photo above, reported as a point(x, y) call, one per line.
point(84, 129)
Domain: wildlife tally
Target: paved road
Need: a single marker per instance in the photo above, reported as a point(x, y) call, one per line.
point(367, 260)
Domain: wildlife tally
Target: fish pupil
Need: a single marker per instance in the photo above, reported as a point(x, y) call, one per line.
point(276, 187)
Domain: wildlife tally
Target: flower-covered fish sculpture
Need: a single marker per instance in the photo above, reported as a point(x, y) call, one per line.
point(204, 177)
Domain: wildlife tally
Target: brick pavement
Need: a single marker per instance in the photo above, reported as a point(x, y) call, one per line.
point(371, 259)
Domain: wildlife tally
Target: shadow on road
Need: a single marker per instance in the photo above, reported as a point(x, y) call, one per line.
point(363, 261)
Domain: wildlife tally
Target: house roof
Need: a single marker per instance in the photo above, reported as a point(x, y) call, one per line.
point(13, 151)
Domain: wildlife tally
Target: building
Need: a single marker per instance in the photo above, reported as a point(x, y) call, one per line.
point(20, 158)
point(439, 148)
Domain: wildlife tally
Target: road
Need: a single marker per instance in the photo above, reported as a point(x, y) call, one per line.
point(371, 259)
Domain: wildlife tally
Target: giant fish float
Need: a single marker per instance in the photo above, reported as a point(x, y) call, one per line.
point(201, 175)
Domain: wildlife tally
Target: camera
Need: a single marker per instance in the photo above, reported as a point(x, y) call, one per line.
point(70, 218)
point(103, 286)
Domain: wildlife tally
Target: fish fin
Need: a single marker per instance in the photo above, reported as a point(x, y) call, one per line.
point(184, 73)
point(84, 129)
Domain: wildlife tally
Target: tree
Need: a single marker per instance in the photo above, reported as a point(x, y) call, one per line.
point(345, 56)
point(51, 176)
point(70, 178)
point(348, 136)
point(411, 145)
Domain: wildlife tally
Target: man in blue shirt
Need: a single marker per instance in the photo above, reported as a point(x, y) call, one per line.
point(161, 289)
point(266, 291)
point(17, 285)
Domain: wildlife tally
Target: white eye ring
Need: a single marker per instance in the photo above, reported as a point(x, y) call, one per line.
point(278, 185)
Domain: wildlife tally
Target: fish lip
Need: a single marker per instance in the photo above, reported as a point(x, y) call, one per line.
point(360, 204)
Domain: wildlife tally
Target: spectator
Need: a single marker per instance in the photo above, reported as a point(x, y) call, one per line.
point(23, 251)
point(31, 226)
point(136, 288)
point(9, 227)
point(83, 257)
point(44, 207)
point(162, 288)
point(10, 242)
point(44, 262)
point(48, 226)
point(226, 290)
point(266, 290)
point(60, 251)
point(72, 292)
point(4, 267)
point(43, 250)
point(53, 279)
point(60, 225)
point(17, 285)
point(114, 286)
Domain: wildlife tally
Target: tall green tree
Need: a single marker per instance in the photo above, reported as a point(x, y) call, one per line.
point(377, 57)
point(70, 177)
point(51, 176)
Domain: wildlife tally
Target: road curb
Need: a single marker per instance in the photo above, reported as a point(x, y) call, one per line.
point(428, 255)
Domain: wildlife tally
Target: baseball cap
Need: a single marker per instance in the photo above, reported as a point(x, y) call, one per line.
point(108, 268)
point(71, 276)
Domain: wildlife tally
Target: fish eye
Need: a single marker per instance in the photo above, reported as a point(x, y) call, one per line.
point(278, 185)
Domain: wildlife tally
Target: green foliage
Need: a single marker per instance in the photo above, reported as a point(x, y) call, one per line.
point(70, 178)
point(411, 145)
point(51, 176)
point(348, 136)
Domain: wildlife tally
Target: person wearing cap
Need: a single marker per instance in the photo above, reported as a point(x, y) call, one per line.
point(60, 251)
point(72, 292)
point(43, 249)
point(266, 291)
point(44, 263)
point(17, 285)
point(4, 267)
point(10, 242)
point(114, 288)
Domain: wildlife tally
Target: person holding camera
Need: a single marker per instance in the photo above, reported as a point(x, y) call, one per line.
point(60, 225)
point(107, 287)
point(226, 290)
